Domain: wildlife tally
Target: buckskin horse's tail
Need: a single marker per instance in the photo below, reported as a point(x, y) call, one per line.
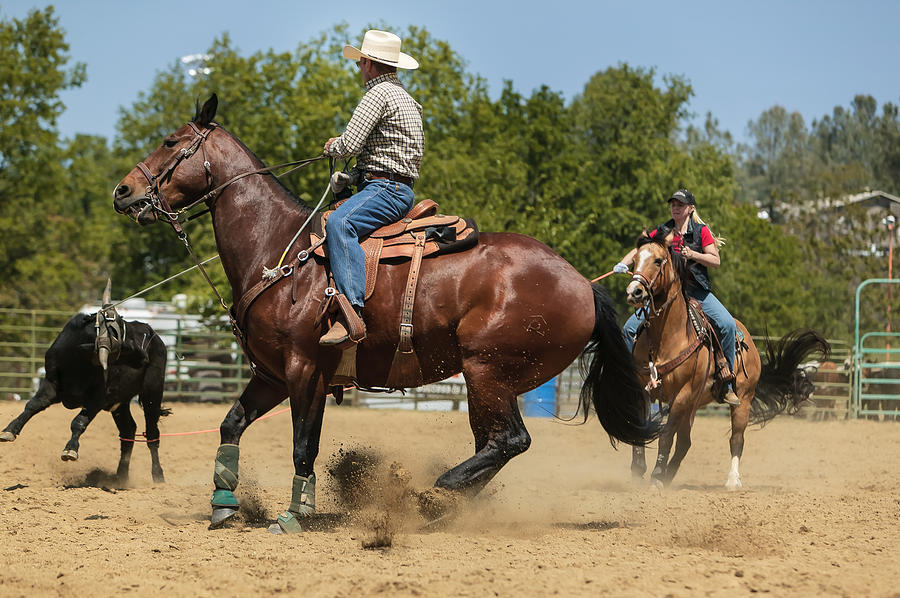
point(782, 386)
point(610, 379)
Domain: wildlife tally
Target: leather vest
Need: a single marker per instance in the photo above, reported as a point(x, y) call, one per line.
point(692, 239)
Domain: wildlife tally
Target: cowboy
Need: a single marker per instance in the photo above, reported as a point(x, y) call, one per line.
point(696, 243)
point(386, 136)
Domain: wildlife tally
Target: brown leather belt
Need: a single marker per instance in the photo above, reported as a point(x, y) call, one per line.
point(371, 176)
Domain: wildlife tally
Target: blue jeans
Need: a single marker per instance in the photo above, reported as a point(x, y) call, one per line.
point(375, 204)
point(721, 319)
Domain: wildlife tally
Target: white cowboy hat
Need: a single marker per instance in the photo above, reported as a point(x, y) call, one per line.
point(383, 47)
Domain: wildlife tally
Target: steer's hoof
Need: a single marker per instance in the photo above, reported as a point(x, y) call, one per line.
point(7, 436)
point(220, 516)
point(69, 455)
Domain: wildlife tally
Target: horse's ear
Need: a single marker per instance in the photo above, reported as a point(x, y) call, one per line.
point(669, 236)
point(208, 112)
point(645, 233)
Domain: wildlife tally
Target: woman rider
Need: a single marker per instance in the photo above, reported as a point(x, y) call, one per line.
point(696, 243)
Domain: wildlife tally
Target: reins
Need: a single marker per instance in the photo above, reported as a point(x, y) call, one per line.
point(651, 311)
point(157, 202)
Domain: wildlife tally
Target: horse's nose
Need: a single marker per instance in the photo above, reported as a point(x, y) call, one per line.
point(121, 193)
point(634, 294)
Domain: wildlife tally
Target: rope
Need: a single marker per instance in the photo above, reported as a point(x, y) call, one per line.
point(274, 413)
point(162, 282)
point(311, 214)
point(605, 275)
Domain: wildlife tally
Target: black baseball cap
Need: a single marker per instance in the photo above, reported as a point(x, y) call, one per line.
point(684, 196)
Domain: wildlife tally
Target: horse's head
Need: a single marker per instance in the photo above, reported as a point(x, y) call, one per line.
point(171, 177)
point(653, 270)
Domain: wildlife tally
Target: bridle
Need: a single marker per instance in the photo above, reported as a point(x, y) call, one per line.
point(154, 201)
point(649, 306)
point(654, 370)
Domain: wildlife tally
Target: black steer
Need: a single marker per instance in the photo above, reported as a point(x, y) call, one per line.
point(99, 362)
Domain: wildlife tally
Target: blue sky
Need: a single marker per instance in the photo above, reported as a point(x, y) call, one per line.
point(741, 57)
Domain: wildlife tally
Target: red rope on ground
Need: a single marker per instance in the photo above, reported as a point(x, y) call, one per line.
point(274, 413)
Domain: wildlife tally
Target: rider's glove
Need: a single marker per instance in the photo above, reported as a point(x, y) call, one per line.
point(339, 181)
point(620, 268)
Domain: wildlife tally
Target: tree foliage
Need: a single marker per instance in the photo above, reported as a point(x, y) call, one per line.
point(803, 176)
point(585, 176)
point(40, 231)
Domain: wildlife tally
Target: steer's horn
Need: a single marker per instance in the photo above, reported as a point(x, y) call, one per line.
point(103, 356)
point(106, 293)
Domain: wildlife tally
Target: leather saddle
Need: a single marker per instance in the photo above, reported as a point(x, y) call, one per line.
point(704, 327)
point(397, 242)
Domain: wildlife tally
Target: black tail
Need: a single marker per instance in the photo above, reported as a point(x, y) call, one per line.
point(782, 386)
point(611, 382)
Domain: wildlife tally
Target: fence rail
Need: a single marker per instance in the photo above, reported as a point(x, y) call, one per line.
point(207, 365)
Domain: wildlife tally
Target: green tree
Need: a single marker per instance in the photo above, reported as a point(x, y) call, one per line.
point(35, 270)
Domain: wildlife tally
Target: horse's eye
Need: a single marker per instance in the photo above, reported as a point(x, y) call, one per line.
point(658, 261)
point(170, 142)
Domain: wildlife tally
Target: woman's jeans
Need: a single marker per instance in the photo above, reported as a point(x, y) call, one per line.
point(375, 204)
point(715, 311)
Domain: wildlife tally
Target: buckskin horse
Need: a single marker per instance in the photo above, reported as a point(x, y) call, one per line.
point(679, 363)
point(99, 362)
point(509, 314)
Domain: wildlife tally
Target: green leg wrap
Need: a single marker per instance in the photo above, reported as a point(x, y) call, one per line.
point(288, 523)
point(225, 477)
point(303, 504)
point(224, 498)
point(303, 495)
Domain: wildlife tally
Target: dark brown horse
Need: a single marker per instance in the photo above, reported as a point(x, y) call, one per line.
point(685, 377)
point(509, 314)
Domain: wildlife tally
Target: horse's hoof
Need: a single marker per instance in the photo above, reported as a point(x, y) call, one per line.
point(69, 455)
point(275, 529)
point(733, 484)
point(7, 436)
point(159, 479)
point(658, 484)
point(439, 504)
point(220, 516)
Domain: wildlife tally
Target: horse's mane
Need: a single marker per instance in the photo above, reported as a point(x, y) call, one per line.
point(679, 264)
point(287, 191)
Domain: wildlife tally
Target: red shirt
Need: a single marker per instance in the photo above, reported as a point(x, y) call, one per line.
point(706, 238)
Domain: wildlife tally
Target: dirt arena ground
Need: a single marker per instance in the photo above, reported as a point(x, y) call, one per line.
point(819, 515)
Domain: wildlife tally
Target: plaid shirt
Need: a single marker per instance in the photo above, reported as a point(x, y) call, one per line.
point(385, 132)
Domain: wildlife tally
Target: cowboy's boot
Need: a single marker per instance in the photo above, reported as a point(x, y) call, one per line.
point(338, 334)
point(731, 398)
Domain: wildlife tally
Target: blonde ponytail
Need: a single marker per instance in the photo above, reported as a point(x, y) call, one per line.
point(696, 218)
